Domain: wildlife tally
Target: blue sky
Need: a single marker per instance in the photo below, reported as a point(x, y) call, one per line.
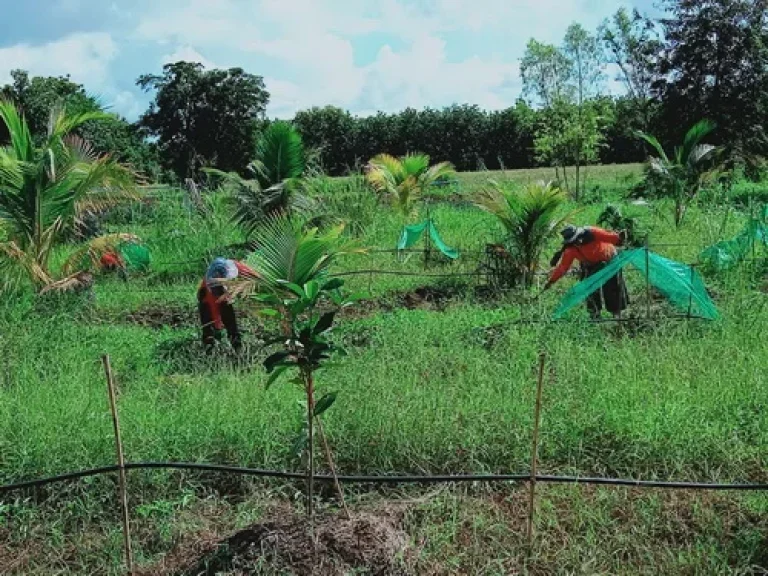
point(358, 54)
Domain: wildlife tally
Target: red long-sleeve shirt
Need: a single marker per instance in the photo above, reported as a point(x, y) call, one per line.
point(601, 248)
point(204, 293)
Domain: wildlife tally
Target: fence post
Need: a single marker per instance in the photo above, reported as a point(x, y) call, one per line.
point(690, 295)
point(120, 464)
point(647, 279)
point(535, 450)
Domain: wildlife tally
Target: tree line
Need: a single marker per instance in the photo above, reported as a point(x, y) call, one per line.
point(702, 59)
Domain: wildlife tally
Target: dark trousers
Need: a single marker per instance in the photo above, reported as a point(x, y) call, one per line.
point(613, 292)
point(228, 318)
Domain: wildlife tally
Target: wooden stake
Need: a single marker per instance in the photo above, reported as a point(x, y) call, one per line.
point(647, 279)
point(690, 295)
point(332, 466)
point(120, 464)
point(535, 449)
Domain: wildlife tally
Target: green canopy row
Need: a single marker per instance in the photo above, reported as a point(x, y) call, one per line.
point(679, 283)
point(411, 235)
point(729, 253)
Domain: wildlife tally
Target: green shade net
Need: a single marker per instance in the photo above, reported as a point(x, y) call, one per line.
point(411, 235)
point(135, 256)
point(679, 283)
point(729, 253)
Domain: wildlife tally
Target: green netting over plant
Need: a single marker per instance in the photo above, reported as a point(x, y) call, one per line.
point(729, 253)
point(411, 235)
point(135, 256)
point(679, 283)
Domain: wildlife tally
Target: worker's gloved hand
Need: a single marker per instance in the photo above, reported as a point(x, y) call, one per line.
point(622, 237)
point(547, 286)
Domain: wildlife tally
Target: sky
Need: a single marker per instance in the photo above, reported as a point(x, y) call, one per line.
point(361, 55)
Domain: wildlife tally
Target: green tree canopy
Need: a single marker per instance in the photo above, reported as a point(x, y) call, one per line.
point(204, 117)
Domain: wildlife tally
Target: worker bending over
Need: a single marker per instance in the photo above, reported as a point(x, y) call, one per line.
point(594, 248)
point(214, 305)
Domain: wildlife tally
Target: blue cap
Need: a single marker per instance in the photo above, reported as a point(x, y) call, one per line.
point(221, 269)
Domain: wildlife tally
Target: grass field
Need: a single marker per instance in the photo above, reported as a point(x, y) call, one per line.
point(428, 387)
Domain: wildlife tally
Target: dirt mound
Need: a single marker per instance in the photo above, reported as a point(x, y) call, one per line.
point(427, 297)
point(369, 543)
point(161, 317)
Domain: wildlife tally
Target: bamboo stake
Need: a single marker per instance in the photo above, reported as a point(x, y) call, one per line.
point(690, 295)
point(332, 466)
point(309, 382)
point(120, 464)
point(647, 279)
point(535, 450)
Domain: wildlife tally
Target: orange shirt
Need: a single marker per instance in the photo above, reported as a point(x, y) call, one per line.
point(602, 248)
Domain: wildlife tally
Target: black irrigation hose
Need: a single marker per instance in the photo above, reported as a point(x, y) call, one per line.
point(428, 479)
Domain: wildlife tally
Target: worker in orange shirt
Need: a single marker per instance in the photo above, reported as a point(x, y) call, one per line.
point(594, 248)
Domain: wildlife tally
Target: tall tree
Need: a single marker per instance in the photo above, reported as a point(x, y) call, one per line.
point(586, 79)
point(545, 71)
point(632, 44)
point(204, 117)
point(330, 130)
point(715, 65)
point(37, 97)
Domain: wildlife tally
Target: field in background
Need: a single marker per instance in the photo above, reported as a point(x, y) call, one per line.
point(442, 383)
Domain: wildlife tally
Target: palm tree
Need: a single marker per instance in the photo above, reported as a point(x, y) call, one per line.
point(530, 217)
point(276, 173)
point(46, 190)
point(404, 179)
point(681, 173)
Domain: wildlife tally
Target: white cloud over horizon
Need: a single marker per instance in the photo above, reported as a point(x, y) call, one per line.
point(363, 56)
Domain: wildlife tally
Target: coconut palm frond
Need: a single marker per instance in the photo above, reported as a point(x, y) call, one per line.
point(76, 282)
point(279, 154)
point(681, 174)
point(287, 253)
point(90, 254)
point(44, 190)
point(530, 216)
point(404, 179)
point(25, 261)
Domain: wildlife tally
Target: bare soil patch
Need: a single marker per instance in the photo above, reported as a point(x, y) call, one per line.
point(371, 542)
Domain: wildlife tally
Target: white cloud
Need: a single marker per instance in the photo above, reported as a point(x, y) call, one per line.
point(186, 54)
point(306, 48)
point(85, 57)
point(422, 76)
point(126, 104)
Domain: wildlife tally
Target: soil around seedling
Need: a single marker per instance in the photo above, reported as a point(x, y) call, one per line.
point(369, 543)
point(157, 317)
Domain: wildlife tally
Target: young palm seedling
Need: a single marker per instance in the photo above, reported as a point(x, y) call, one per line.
point(292, 267)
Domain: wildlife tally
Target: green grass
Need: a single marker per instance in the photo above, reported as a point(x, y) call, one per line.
point(421, 391)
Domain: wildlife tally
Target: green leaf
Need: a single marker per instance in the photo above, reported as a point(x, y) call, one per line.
point(275, 375)
point(271, 312)
point(325, 322)
point(324, 403)
point(311, 289)
point(275, 360)
point(333, 284)
point(270, 299)
point(295, 288)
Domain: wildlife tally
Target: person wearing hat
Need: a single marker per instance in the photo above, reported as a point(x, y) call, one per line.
point(216, 311)
point(593, 247)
